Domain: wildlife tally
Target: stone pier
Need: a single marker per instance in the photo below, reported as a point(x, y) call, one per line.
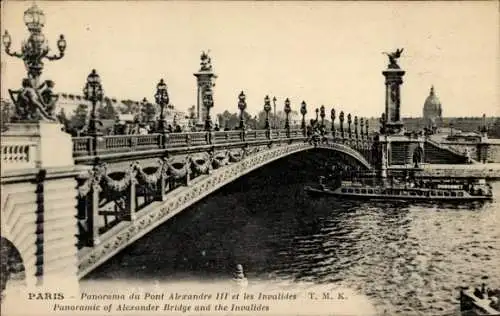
point(38, 227)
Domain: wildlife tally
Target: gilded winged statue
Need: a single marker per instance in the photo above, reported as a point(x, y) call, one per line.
point(206, 61)
point(393, 57)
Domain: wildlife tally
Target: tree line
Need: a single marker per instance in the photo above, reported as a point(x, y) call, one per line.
point(147, 112)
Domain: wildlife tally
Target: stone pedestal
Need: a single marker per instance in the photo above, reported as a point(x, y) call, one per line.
point(39, 204)
point(50, 146)
point(393, 81)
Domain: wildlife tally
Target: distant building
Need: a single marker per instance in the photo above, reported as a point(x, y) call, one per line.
point(461, 127)
point(433, 112)
point(175, 117)
point(69, 102)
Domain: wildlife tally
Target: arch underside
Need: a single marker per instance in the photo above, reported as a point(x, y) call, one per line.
point(18, 233)
point(12, 271)
point(155, 214)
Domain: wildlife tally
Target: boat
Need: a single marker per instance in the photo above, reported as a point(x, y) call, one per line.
point(484, 302)
point(421, 189)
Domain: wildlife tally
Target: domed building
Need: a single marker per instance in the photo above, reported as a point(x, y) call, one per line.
point(433, 113)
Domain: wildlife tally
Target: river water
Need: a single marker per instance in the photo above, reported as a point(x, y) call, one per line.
point(407, 259)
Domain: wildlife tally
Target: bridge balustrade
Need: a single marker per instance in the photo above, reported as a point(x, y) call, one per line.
point(82, 146)
point(18, 155)
point(199, 139)
point(152, 140)
point(278, 133)
point(256, 135)
point(296, 133)
point(231, 137)
point(176, 140)
point(226, 136)
point(90, 146)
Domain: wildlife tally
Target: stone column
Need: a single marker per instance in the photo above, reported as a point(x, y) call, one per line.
point(393, 81)
point(205, 78)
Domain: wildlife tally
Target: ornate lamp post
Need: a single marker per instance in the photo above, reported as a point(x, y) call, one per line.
point(275, 120)
point(161, 98)
point(349, 122)
point(322, 115)
point(242, 105)
point(267, 108)
point(361, 125)
point(208, 102)
point(93, 92)
point(484, 127)
point(303, 111)
point(317, 112)
point(142, 112)
point(174, 120)
point(356, 127)
point(332, 116)
point(40, 102)
point(288, 109)
point(341, 118)
point(382, 124)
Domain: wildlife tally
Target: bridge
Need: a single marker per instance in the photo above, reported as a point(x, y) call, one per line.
point(122, 187)
point(71, 203)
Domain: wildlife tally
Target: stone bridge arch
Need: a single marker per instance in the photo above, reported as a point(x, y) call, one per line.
point(19, 241)
point(12, 270)
point(181, 198)
point(348, 151)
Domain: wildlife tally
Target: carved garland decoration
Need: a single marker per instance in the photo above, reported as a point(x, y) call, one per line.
point(153, 178)
point(220, 159)
point(201, 163)
point(92, 181)
point(174, 169)
point(117, 186)
point(236, 155)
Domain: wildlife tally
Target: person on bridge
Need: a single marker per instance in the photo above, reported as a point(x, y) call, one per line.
point(142, 130)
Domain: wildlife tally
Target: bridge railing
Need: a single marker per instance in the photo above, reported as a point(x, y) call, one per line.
point(278, 133)
point(93, 146)
point(90, 146)
point(18, 155)
point(222, 137)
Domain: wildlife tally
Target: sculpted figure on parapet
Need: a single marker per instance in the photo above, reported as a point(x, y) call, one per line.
point(34, 103)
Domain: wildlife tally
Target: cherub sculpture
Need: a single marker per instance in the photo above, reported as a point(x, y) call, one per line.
point(34, 103)
point(393, 57)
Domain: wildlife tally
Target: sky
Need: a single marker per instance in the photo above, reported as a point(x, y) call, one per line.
point(326, 53)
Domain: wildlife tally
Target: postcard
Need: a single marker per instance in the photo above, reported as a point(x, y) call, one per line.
point(265, 158)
